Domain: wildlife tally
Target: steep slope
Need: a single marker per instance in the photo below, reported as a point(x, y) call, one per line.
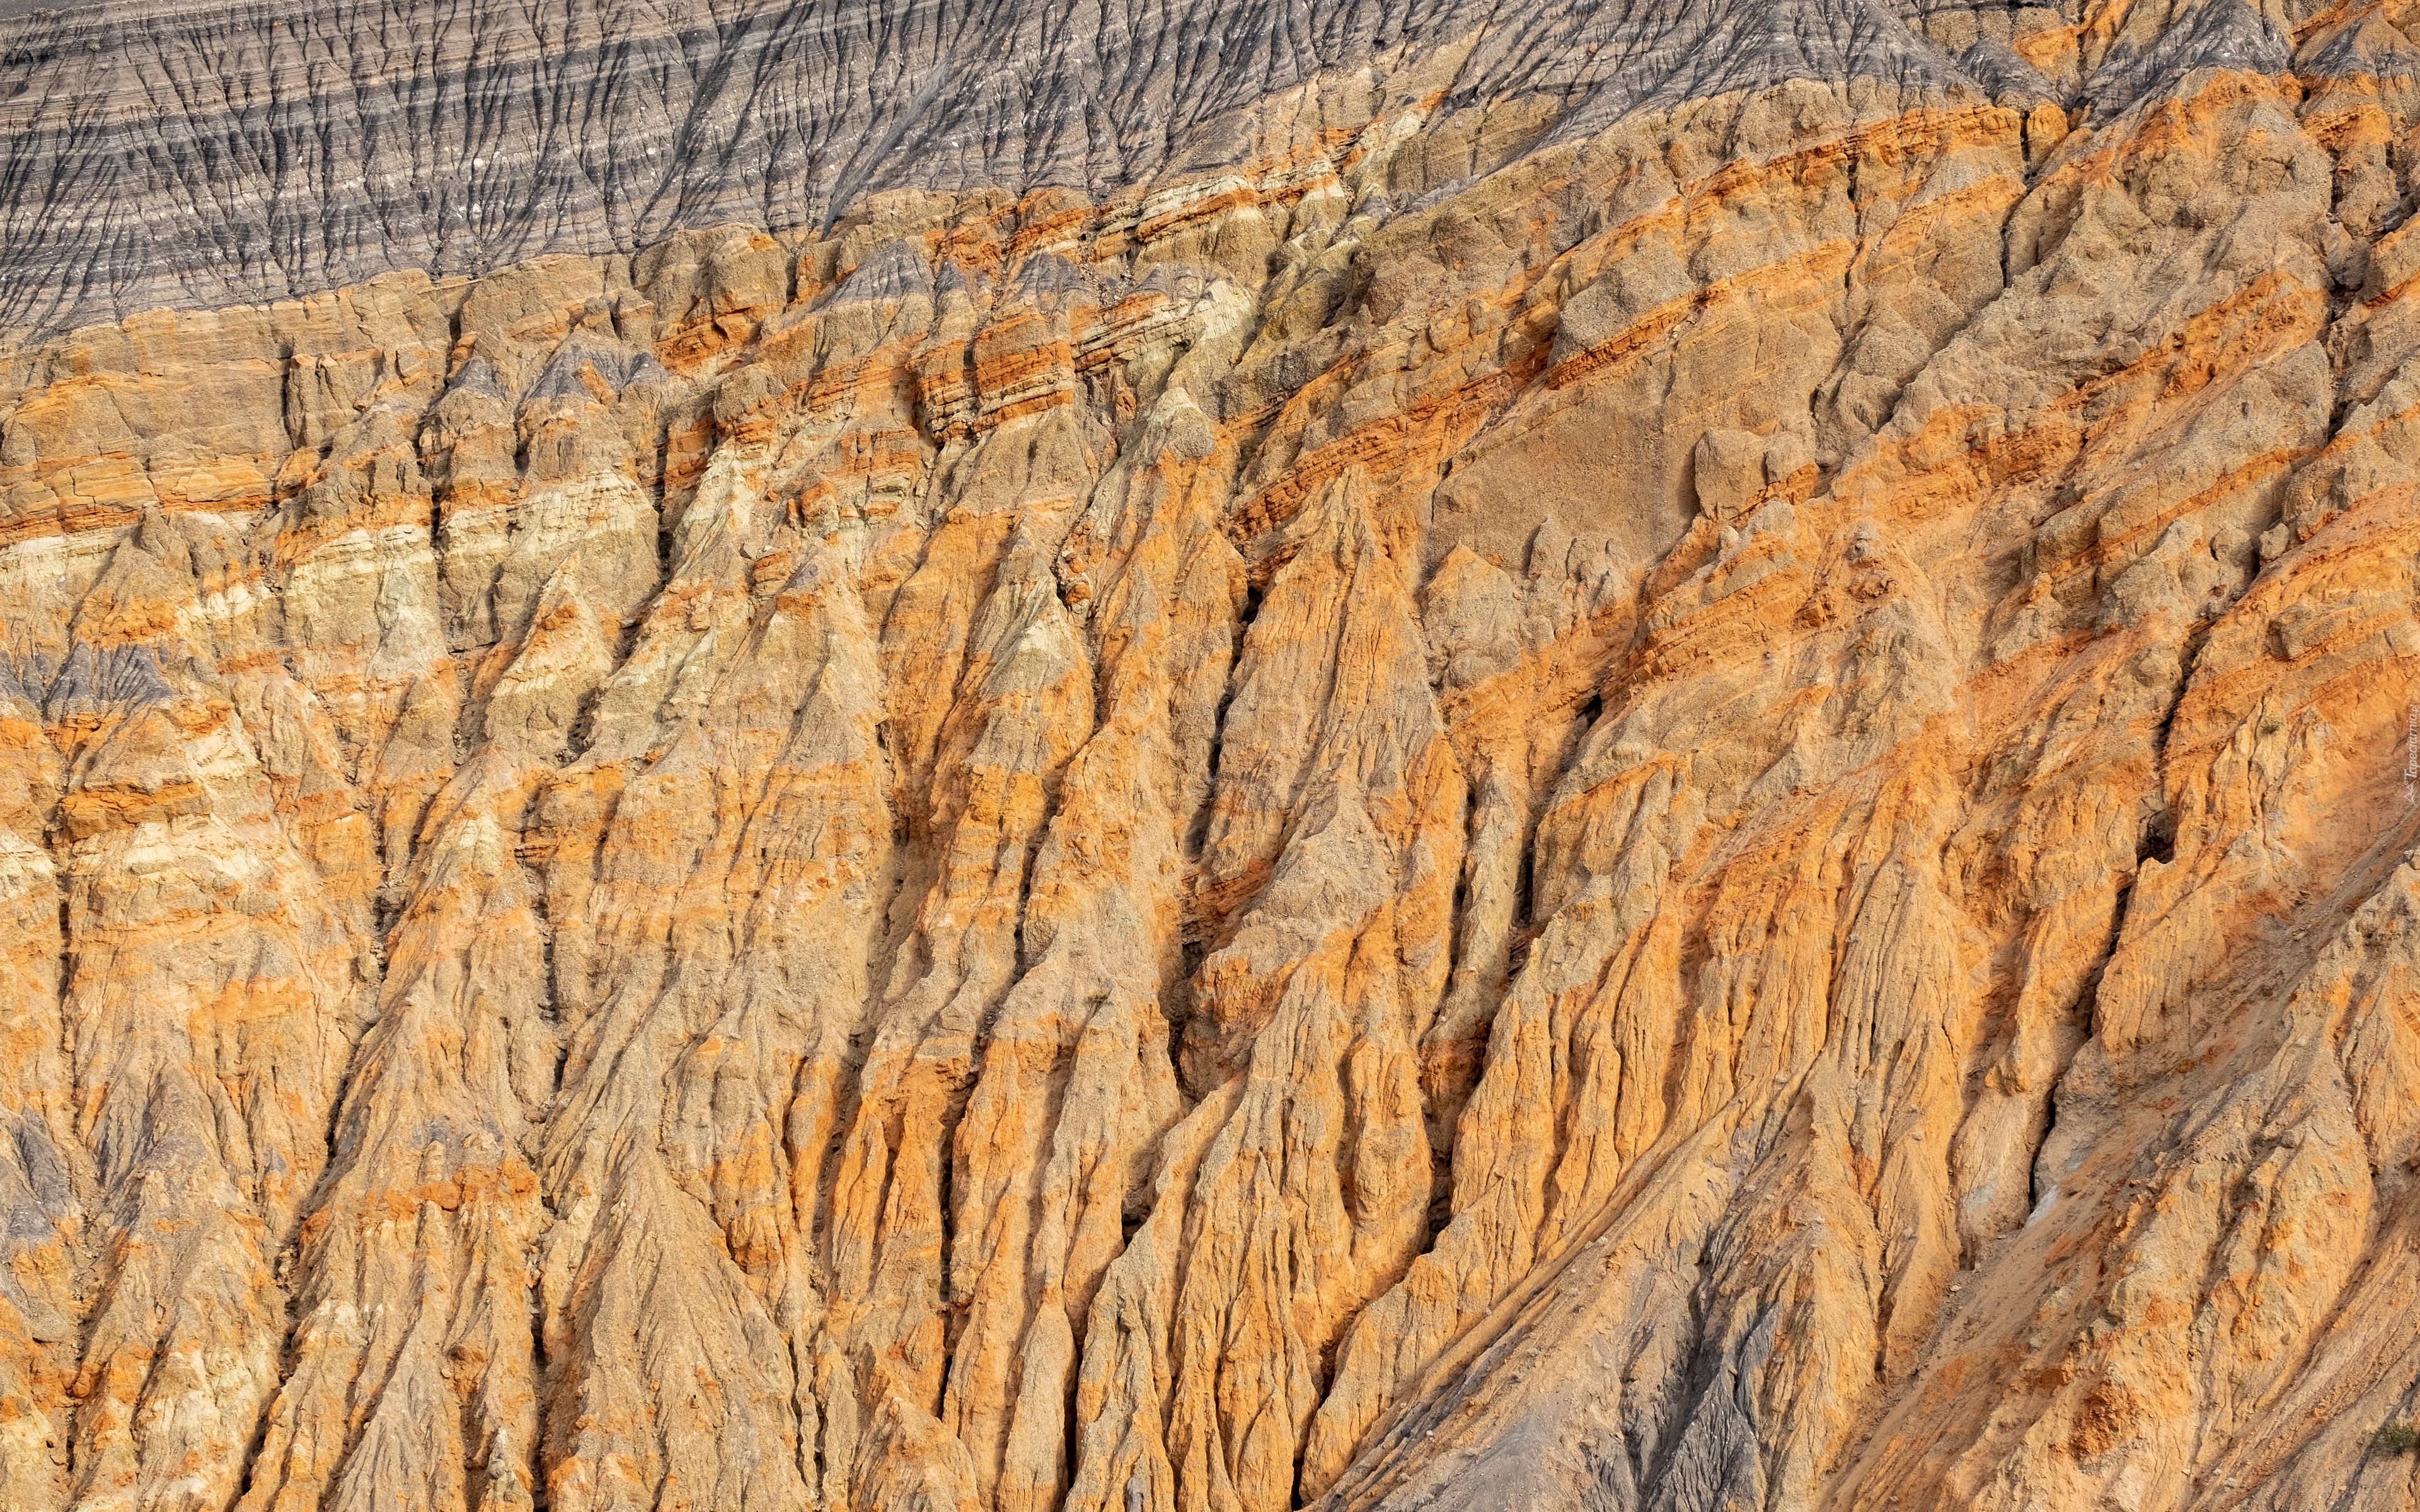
point(1209, 758)
point(169, 152)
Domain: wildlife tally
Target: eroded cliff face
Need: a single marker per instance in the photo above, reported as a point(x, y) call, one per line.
point(1683, 780)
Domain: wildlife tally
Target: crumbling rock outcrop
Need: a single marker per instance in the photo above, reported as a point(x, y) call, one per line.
point(1612, 755)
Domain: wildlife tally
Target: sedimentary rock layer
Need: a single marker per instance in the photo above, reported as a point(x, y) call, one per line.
point(1635, 756)
point(163, 152)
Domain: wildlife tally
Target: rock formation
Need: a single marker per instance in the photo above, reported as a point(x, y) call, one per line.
point(1211, 757)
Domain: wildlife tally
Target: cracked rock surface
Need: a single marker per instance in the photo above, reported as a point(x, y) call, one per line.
point(1209, 756)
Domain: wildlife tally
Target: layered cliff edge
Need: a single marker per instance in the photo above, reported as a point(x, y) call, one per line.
point(1209, 758)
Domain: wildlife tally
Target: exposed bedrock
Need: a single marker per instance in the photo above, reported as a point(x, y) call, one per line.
point(1209, 758)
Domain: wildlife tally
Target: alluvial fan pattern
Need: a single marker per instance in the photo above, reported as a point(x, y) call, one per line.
point(1209, 756)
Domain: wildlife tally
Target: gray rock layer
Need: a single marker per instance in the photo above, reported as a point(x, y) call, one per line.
point(174, 153)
